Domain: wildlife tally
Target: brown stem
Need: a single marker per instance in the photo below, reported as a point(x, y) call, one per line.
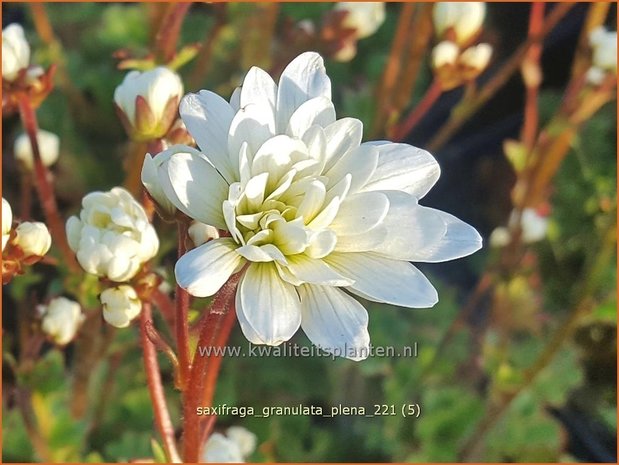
point(155, 388)
point(41, 23)
point(417, 113)
point(44, 187)
point(181, 324)
point(213, 334)
point(169, 32)
point(469, 107)
point(166, 306)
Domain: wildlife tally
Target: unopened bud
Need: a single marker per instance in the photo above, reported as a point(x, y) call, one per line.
point(48, 149)
point(364, 17)
point(33, 239)
point(120, 305)
point(465, 19)
point(444, 54)
point(15, 52)
point(61, 320)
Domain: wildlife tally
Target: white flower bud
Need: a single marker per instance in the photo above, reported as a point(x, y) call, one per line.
point(466, 19)
point(220, 449)
point(477, 56)
point(604, 44)
point(120, 305)
point(7, 221)
point(534, 228)
point(33, 238)
point(150, 180)
point(15, 51)
point(49, 145)
point(245, 439)
point(347, 52)
point(112, 236)
point(364, 17)
point(148, 102)
point(61, 320)
point(445, 53)
point(201, 233)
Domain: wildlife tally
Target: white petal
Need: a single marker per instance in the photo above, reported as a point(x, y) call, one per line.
point(317, 111)
point(360, 212)
point(343, 135)
point(195, 187)
point(263, 253)
point(334, 321)
point(303, 79)
point(203, 270)
point(312, 202)
point(268, 308)
point(253, 124)
point(208, 117)
point(362, 242)
point(313, 271)
point(385, 280)
point(258, 87)
point(235, 99)
point(360, 162)
point(322, 243)
point(403, 167)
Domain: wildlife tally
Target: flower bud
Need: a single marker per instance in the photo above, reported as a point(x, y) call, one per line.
point(233, 447)
point(112, 237)
point(604, 59)
point(476, 57)
point(61, 319)
point(364, 17)
point(245, 439)
point(120, 305)
point(15, 52)
point(464, 18)
point(444, 54)
point(347, 52)
point(48, 148)
point(7, 222)
point(201, 233)
point(33, 239)
point(147, 102)
point(150, 180)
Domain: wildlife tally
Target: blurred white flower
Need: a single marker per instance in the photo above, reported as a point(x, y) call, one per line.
point(7, 222)
point(477, 57)
point(364, 17)
point(534, 228)
point(347, 52)
point(32, 238)
point(465, 18)
point(604, 45)
point(309, 208)
point(151, 183)
point(112, 236)
point(15, 52)
point(49, 147)
point(445, 53)
point(234, 447)
point(201, 233)
point(61, 319)
point(120, 304)
point(148, 102)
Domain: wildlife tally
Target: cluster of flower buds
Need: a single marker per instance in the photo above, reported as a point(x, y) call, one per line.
point(533, 225)
point(113, 239)
point(23, 245)
point(456, 59)
point(49, 148)
point(234, 447)
point(147, 103)
point(18, 76)
point(61, 319)
point(604, 59)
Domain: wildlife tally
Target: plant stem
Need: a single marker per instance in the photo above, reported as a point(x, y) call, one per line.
point(44, 187)
point(213, 333)
point(169, 32)
point(203, 60)
point(155, 387)
point(417, 113)
point(181, 324)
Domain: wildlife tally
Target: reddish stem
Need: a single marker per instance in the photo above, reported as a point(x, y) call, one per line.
point(181, 325)
point(168, 34)
point(166, 306)
point(214, 333)
point(43, 185)
point(417, 113)
point(155, 388)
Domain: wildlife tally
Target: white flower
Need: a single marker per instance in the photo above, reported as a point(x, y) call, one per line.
point(234, 447)
point(534, 228)
point(61, 319)
point(445, 53)
point(466, 19)
point(477, 56)
point(120, 304)
point(347, 52)
point(15, 51)
point(201, 233)
point(364, 17)
point(112, 236)
point(7, 222)
point(33, 238)
point(308, 207)
point(604, 60)
point(49, 146)
point(151, 180)
point(148, 101)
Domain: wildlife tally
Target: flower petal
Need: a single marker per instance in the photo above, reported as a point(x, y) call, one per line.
point(315, 271)
point(359, 213)
point(258, 87)
point(203, 270)
point(192, 184)
point(360, 162)
point(334, 321)
point(317, 111)
point(254, 125)
point(208, 117)
point(342, 136)
point(268, 309)
point(303, 79)
point(403, 167)
point(385, 280)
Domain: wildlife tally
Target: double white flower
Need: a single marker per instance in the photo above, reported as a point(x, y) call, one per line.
point(315, 214)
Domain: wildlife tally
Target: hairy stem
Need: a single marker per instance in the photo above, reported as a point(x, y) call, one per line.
point(417, 113)
point(181, 324)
